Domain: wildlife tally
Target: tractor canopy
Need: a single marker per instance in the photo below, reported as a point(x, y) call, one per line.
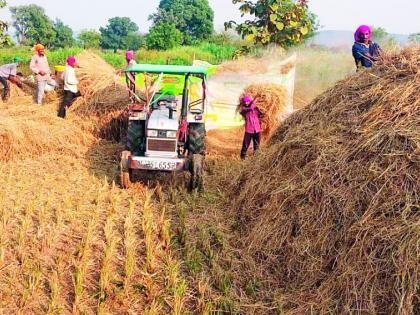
point(168, 69)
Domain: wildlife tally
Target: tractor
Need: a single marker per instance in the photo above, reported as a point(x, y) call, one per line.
point(166, 123)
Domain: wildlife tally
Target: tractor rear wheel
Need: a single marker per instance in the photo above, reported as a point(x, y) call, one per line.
point(135, 136)
point(196, 149)
point(196, 138)
point(125, 171)
point(197, 172)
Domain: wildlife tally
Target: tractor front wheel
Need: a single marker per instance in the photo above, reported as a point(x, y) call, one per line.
point(135, 137)
point(125, 171)
point(197, 172)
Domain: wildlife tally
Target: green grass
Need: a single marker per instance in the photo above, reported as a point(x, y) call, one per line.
point(55, 57)
point(184, 55)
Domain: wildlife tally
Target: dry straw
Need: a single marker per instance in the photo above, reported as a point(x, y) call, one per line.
point(31, 131)
point(329, 212)
point(102, 90)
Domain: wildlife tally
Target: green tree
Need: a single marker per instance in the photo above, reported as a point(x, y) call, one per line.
point(382, 37)
point(5, 39)
point(193, 18)
point(32, 25)
point(89, 39)
point(63, 35)
point(379, 34)
point(134, 41)
point(115, 33)
point(414, 38)
point(283, 22)
point(163, 36)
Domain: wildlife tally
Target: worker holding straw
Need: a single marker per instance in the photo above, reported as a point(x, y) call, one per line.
point(8, 72)
point(71, 91)
point(40, 67)
point(365, 51)
point(252, 114)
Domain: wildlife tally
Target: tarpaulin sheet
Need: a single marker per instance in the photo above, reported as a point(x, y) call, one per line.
point(225, 88)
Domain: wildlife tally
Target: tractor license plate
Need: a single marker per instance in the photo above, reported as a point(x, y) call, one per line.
point(159, 165)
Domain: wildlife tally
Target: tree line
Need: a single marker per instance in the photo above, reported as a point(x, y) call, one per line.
point(175, 22)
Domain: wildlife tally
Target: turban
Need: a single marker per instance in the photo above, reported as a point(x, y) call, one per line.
point(362, 29)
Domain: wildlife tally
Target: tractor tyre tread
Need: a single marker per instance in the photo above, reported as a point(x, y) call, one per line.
point(197, 172)
point(135, 136)
point(125, 172)
point(197, 139)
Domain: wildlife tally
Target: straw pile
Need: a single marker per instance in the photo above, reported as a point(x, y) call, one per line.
point(31, 131)
point(244, 65)
point(101, 89)
point(329, 212)
point(271, 100)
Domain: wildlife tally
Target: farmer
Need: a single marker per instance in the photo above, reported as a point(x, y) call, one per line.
point(39, 66)
point(129, 57)
point(8, 72)
point(71, 91)
point(252, 115)
point(365, 51)
point(131, 76)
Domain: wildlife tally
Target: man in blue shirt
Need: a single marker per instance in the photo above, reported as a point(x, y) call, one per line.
point(365, 51)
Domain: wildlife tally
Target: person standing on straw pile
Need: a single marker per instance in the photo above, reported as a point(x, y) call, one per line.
point(8, 72)
point(71, 91)
point(365, 51)
point(39, 65)
point(131, 76)
point(252, 114)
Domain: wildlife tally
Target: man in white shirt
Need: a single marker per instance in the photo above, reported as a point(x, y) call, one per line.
point(71, 91)
point(9, 72)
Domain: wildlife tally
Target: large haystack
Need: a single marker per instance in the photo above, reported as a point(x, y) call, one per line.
point(330, 211)
point(101, 88)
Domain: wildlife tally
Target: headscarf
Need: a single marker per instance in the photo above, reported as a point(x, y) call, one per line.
point(129, 55)
point(38, 47)
point(71, 61)
point(247, 99)
point(362, 29)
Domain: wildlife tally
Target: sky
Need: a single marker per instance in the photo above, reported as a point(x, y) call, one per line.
point(395, 16)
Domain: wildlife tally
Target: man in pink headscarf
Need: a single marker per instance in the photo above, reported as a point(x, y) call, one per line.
point(129, 57)
point(131, 76)
point(252, 114)
point(71, 91)
point(365, 51)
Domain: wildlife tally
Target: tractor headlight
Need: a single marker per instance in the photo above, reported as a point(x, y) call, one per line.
point(171, 134)
point(152, 133)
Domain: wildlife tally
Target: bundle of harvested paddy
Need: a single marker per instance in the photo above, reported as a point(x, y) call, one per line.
point(329, 212)
point(271, 100)
point(101, 89)
point(30, 131)
point(112, 126)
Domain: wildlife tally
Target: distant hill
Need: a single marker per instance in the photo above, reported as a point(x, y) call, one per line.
point(344, 39)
